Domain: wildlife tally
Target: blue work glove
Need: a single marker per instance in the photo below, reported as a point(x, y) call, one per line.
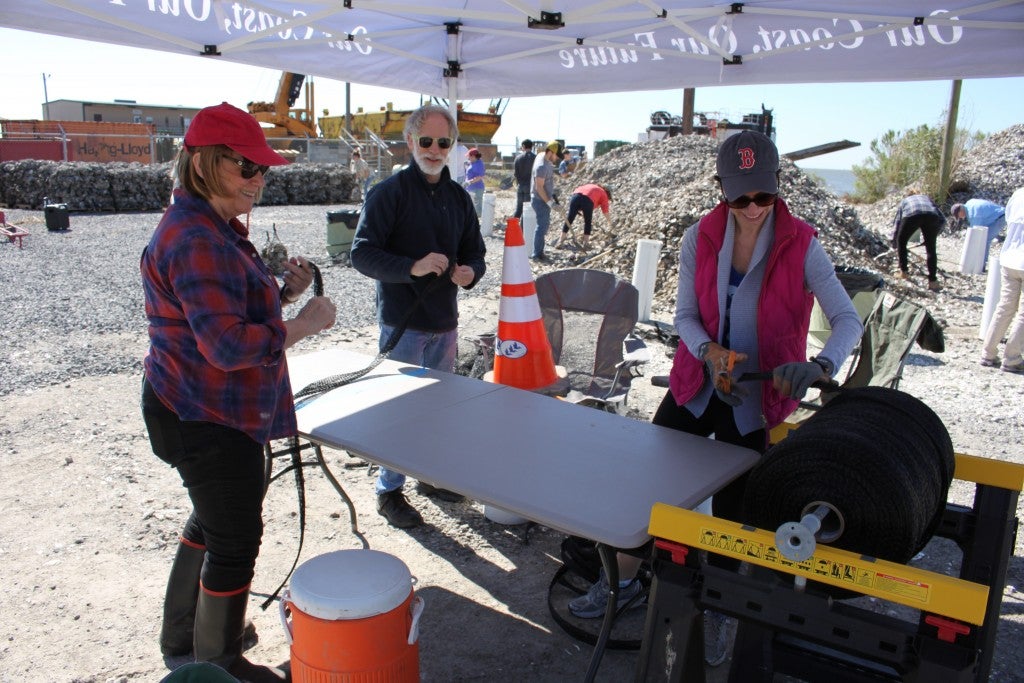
point(793, 379)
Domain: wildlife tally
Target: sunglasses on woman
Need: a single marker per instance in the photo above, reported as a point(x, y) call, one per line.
point(762, 199)
point(443, 143)
point(249, 168)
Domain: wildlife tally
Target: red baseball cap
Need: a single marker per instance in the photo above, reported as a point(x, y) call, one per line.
point(473, 151)
point(228, 125)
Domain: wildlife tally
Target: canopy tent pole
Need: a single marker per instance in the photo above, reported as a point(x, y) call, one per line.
point(451, 80)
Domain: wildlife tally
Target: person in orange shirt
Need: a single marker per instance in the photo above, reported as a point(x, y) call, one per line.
point(585, 199)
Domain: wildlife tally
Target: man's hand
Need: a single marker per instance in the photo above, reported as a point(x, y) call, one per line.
point(431, 263)
point(463, 276)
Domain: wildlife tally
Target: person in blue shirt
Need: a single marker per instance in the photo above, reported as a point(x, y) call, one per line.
point(475, 179)
point(981, 212)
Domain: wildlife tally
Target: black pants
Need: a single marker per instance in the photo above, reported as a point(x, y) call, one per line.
point(930, 225)
point(223, 470)
point(718, 420)
point(580, 203)
point(522, 196)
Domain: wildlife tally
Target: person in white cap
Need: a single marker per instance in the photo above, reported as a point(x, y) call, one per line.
point(1009, 309)
point(749, 272)
point(981, 212)
point(216, 387)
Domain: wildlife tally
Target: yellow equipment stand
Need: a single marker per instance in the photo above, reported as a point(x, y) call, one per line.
point(787, 626)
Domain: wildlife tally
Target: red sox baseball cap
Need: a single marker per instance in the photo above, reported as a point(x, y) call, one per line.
point(748, 162)
point(239, 130)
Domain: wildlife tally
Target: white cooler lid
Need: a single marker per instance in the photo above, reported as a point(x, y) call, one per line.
point(350, 584)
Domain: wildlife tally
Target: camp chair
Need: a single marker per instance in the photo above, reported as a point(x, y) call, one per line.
point(890, 331)
point(589, 316)
point(862, 286)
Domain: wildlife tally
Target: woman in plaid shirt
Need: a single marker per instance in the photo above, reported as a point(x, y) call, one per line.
point(216, 379)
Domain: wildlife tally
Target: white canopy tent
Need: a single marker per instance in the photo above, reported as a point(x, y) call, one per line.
point(472, 49)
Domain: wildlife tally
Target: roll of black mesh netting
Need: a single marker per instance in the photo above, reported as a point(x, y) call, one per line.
point(881, 458)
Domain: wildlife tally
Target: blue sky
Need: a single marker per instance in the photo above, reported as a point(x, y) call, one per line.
point(805, 115)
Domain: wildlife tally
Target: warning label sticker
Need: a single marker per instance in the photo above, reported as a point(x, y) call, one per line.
point(857, 575)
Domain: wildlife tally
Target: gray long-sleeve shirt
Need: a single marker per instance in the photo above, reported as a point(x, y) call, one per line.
point(819, 277)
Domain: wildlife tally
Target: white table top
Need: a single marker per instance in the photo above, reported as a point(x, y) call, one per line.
point(576, 469)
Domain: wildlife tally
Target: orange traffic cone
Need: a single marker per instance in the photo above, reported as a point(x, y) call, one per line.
point(522, 352)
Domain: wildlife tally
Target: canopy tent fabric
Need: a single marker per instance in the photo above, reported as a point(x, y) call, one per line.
point(468, 49)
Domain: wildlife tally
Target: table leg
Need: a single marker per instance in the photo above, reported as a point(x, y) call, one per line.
point(341, 492)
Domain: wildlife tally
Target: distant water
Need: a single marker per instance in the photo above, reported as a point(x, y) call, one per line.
point(840, 181)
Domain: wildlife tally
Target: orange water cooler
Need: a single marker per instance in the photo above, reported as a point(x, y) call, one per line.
point(354, 619)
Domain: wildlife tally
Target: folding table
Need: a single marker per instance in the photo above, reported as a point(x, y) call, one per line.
point(578, 470)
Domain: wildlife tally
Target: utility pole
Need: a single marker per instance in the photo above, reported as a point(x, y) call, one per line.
point(688, 98)
point(946, 158)
point(46, 99)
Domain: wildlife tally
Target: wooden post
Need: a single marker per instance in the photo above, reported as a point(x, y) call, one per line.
point(688, 97)
point(946, 158)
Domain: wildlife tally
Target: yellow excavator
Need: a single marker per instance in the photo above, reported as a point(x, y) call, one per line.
point(278, 118)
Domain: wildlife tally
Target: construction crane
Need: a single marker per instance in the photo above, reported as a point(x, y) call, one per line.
point(278, 118)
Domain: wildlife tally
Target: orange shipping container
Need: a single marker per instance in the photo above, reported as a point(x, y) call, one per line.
point(89, 140)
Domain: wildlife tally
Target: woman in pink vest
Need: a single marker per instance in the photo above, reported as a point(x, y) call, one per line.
point(749, 272)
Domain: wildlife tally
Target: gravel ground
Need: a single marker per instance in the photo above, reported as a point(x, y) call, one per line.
point(71, 320)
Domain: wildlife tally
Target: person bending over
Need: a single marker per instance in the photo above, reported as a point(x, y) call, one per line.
point(585, 199)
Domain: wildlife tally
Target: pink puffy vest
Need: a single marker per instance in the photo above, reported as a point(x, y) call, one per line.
point(783, 311)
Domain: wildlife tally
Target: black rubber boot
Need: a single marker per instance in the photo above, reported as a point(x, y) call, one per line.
point(180, 601)
point(180, 604)
point(220, 621)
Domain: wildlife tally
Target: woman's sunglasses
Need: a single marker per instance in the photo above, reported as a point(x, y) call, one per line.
point(443, 143)
point(249, 169)
point(762, 199)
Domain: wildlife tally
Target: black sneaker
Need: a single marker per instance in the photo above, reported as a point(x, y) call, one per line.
point(393, 507)
point(431, 491)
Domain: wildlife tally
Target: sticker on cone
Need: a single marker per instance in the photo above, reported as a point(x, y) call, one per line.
point(522, 352)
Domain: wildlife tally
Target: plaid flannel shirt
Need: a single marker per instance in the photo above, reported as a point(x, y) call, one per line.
point(215, 328)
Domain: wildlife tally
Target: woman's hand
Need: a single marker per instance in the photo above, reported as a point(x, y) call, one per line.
point(720, 362)
point(793, 379)
point(298, 276)
point(319, 314)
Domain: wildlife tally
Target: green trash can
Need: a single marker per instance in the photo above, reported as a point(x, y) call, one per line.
point(341, 228)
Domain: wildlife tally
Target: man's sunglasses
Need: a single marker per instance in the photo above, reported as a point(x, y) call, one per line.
point(249, 169)
point(761, 199)
point(443, 143)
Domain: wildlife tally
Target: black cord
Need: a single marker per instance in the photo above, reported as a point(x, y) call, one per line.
point(334, 381)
